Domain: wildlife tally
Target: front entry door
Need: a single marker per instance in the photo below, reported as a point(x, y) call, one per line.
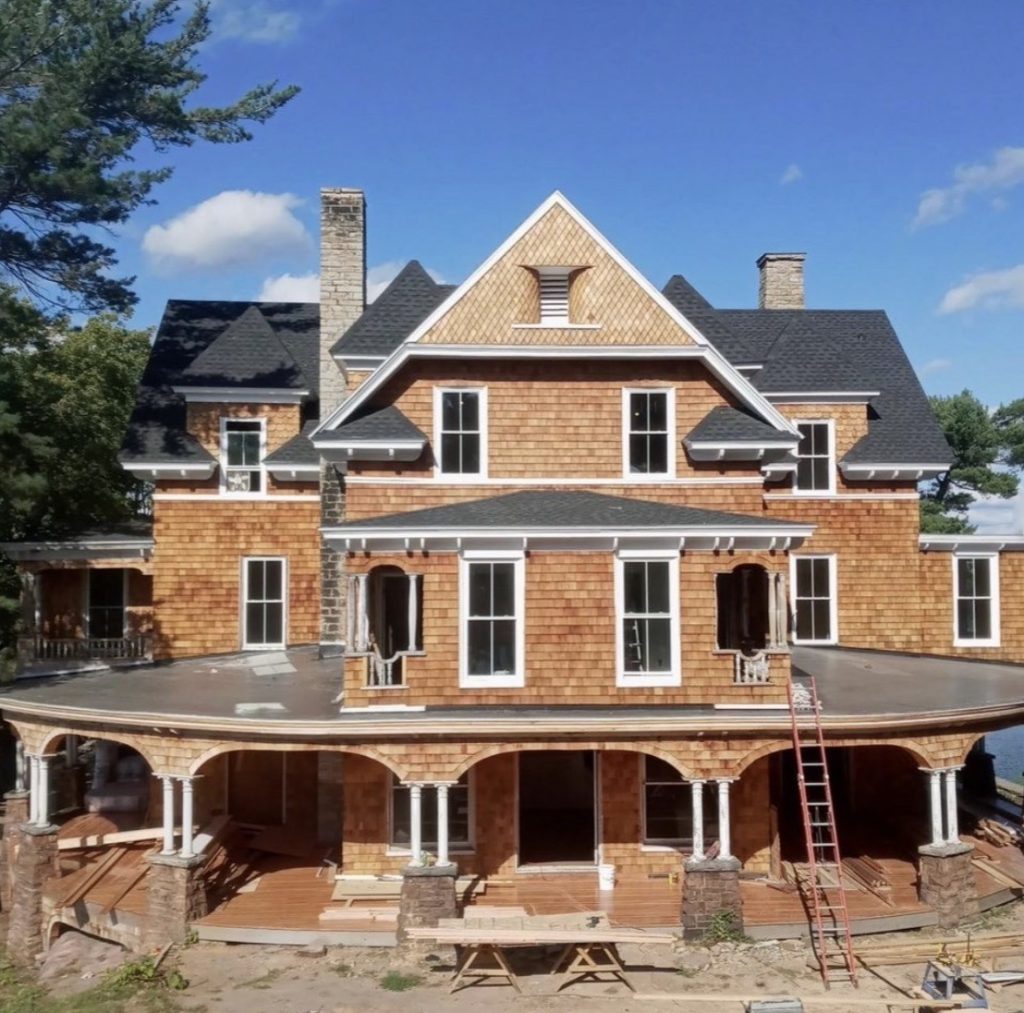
point(556, 807)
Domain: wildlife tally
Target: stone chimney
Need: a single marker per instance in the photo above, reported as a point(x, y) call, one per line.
point(342, 281)
point(782, 281)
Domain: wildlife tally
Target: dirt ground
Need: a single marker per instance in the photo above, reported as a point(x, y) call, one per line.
point(225, 978)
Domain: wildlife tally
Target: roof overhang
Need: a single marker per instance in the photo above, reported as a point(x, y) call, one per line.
point(820, 396)
point(79, 548)
point(294, 472)
point(375, 538)
point(971, 543)
point(357, 362)
point(737, 450)
point(338, 451)
point(909, 472)
point(243, 395)
point(153, 470)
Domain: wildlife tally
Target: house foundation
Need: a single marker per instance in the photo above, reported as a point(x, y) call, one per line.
point(711, 894)
point(428, 895)
point(948, 883)
point(175, 897)
point(32, 861)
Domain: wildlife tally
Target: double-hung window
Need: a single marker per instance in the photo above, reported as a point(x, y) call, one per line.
point(648, 433)
point(461, 432)
point(813, 580)
point(976, 594)
point(647, 606)
point(242, 445)
point(264, 606)
point(815, 468)
point(492, 606)
point(460, 835)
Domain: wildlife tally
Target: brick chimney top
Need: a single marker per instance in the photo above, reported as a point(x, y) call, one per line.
point(782, 281)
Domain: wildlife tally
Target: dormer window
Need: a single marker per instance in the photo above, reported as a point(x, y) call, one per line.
point(242, 455)
point(553, 283)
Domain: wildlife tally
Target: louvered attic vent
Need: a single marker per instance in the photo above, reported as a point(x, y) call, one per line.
point(554, 294)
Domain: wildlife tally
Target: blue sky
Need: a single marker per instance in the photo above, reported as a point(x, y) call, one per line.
point(885, 139)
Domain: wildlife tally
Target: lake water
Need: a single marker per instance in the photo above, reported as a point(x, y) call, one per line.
point(1008, 748)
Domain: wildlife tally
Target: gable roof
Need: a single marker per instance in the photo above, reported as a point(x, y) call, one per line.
point(377, 424)
point(156, 430)
point(297, 451)
point(727, 424)
point(393, 315)
point(247, 353)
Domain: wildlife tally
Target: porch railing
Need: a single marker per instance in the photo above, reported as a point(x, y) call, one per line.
point(754, 669)
point(137, 647)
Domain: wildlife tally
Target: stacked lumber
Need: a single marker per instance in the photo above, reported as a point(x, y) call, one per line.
point(997, 832)
point(965, 949)
point(866, 872)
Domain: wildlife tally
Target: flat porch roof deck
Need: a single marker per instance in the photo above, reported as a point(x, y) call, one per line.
point(295, 692)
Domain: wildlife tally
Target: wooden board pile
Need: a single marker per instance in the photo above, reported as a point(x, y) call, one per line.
point(998, 832)
point(969, 950)
point(869, 874)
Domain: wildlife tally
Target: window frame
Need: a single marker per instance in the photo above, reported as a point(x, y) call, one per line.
point(482, 409)
point(683, 845)
point(244, 602)
point(833, 596)
point(994, 600)
point(467, 847)
point(88, 607)
point(674, 677)
point(670, 413)
point(513, 680)
point(831, 427)
point(223, 468)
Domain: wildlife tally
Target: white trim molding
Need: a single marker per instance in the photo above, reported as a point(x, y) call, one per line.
point(294, 472)
point(820, 396)
point(833, 596)
point(993, 599)
point(640, 680)
point(216, 497)
point(339, 451)
point(462, 477)
point(154, 471)
point(968, 544)
point(891, 472)
point(505, 680)
point(241, 395)
point(128, 549)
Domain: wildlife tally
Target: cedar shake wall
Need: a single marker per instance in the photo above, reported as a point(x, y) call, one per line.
point(570, 635)
point(197, 570)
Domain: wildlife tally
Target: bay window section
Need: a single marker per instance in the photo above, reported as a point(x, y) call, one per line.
point(976, 598)
point(647, 592)
point(492, 606)
point(459, 815)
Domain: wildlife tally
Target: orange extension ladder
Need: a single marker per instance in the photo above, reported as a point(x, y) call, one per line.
point(831, 938)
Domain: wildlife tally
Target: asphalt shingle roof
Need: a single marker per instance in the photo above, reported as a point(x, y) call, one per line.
point(707, 320)
point(156, 431)
point(410, 298)
point(542, 509)
point(726, 423)
point(387, 423)
point(298, 450)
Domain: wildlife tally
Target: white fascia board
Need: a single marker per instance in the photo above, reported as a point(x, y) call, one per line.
point(358, 362)
point(728, 374)
point(241, 395)
point(294, 472)
point(821, 396)
point(892, 471)
point(971, 543)
point(338, 451)
point(163, 469)
point(712, 449)
point(128, 548)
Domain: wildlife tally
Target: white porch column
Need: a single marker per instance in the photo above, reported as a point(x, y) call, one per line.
point(724, 827)
point(33, 788)
point(43, 785)
point(168, 785)
point(20, 781)
point(952, 816)
point(935, 804)
point(416, 824)
point(442, 823)
point(187, 816)
point(697, 812)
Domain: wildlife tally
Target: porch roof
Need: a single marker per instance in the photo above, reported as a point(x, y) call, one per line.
point(131, 540)
point(292, 694)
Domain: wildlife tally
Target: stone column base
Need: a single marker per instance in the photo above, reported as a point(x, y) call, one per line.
point(16, 812)
point(428, 895)
point(946, 882)
point(32, 855)
point(175, 897)
point(711, 891)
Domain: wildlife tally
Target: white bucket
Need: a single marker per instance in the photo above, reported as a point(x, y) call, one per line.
point(606, 877)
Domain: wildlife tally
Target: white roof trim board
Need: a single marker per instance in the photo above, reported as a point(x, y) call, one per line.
point(166, 469)
point(261, 395)
point(715, 361)
point(971, 543)
point(856, 469)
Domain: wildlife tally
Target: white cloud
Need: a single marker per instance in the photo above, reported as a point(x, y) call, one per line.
point(940, 204)
point(936, 365)
point(987, 290)
point(378, 278)
point(254, 22)
point(994, 515)
point(291, 288)
point(233, 228)
point(792, 174)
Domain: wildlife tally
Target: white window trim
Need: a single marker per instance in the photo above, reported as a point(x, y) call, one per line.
point(833, 594)
point(624, 679)
point(448, 476)
point(223, 469)
point(670, 408)
point(995, 639)
point(831, 490)
point(517, 679)
point(244, 600)
point(462, 848)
